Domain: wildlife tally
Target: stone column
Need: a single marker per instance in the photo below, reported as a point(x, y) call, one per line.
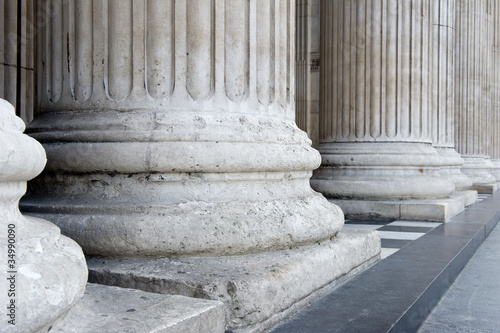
point(472, 95)
point(169, 129)
point(17, 24)
point(376, 104)
point(43, 273)
point(495, 92)
point(307, 68)
point(186, 113)
point(443, 92)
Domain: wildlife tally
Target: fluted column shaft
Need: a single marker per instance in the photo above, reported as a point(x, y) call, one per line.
point(307, 68)
point(376, 102)
point(169, 128)
point(443, 99)
point(495, 91)
point(17, 55)
point(472, 95)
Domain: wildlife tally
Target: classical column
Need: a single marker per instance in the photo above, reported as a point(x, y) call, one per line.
point(376, 83)
point(43, 273)
point(495, 92)
point(443, 29)
point(17, 55)
point(472, 94)
point(169, 130)
point(307, 68)
point(174, 135)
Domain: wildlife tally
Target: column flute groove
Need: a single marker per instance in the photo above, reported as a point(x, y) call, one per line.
point(361, 160)
point(472, 108)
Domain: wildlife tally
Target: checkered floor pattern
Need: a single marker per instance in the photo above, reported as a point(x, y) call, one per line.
point(396, 234)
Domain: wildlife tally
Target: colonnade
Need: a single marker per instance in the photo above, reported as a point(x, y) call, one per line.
point(407, 106)
point(169, 129)
point(171, 135)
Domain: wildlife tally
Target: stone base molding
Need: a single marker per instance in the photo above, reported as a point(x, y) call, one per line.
point(479, 170)
point(381, 171)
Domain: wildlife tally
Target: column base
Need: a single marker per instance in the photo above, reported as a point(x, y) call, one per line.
point(479, 169)
point(439, 210)
point(496, 170)
point(258, 290)
point(453, 162)
point(485, 188)
point(381, 171)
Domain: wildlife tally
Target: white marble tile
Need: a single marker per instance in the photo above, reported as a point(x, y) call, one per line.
point(386, 251)
point(414, 224)
point(400, 235)
point(363, 226)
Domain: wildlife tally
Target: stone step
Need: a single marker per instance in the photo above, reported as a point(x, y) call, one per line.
point(118, 310)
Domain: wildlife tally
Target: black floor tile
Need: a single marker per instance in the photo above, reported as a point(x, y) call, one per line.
point(404, 228)
point(367, 222)
point(395, 243)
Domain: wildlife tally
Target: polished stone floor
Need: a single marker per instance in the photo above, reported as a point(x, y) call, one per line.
point(472, 304)
point(421, 261)
point(395, 234)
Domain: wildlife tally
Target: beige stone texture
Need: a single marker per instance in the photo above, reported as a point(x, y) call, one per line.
point(258, 290)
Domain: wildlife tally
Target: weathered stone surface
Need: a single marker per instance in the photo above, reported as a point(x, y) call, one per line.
point(258, 290)
point(376, 94)
point(48, 269)
point(478, 169)
point(473, 113)
point(466, 197)
point(117, 310)
point(416, 210)
point(452, 168)
point(443, 92)
point(190, 147)
point(380, 171)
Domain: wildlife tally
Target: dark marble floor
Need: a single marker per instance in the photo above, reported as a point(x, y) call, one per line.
point(421, 261)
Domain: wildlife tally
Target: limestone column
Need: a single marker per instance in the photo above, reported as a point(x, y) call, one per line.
point(43, 273)
point(307, 68)
point(376, 83)
point(472, 94)
point(495, 91)
point(443, 78)
point(17, 55)
point(169, 130)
